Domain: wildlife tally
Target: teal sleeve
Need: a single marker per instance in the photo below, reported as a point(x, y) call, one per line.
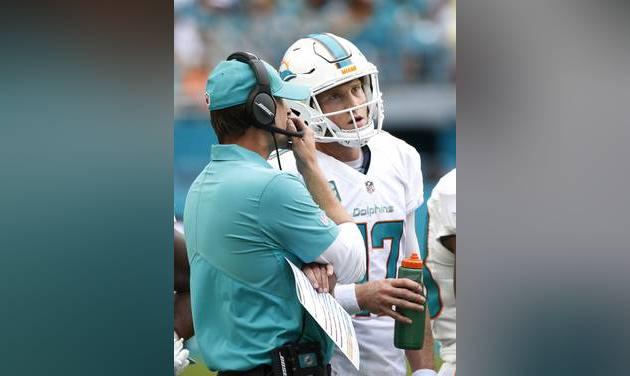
point(290, 217)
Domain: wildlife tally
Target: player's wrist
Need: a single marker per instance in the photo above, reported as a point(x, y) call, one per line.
point(346, 297)
point(424, 372)
point(359, 294)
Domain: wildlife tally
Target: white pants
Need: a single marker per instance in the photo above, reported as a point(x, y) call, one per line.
point(379, 356)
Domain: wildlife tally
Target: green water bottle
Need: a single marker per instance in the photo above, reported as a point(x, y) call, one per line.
point(410, 336)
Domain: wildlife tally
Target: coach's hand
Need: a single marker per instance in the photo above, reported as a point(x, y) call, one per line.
point(303, 147)
point(306, 162)
point(379, 296)
point(319, 275)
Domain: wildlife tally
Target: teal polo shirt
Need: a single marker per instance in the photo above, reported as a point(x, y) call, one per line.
point(242, 217)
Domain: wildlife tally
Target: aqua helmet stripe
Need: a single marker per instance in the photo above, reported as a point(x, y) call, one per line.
point(286, 75)
point(339, 53)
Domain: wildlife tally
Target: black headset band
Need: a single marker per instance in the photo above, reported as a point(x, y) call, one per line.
point(260, 72)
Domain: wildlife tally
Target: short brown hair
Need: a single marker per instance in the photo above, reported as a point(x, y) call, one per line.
point(229, 122)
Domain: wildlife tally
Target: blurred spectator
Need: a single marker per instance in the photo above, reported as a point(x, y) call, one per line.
point(412, 41)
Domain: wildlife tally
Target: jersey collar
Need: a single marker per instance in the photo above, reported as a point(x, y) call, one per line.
point(233, 152)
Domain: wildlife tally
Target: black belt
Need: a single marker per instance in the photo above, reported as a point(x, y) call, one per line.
point(262, 370)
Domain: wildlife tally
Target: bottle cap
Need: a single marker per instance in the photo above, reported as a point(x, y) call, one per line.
point(412, 262)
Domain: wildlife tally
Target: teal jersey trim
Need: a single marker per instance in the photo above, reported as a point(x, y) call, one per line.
point(392, 230)
point(434, 303)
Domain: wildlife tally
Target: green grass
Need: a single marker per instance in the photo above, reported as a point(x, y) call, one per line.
point(197, 370)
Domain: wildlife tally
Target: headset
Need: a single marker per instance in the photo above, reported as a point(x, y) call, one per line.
point(260, 105)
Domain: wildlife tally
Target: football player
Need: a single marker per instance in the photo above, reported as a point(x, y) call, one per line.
point(439, 271)
point(378, 180)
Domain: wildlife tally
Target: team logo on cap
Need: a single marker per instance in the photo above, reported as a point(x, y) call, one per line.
point(369, 186)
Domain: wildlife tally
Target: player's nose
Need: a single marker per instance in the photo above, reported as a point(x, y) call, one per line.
point(356, 100)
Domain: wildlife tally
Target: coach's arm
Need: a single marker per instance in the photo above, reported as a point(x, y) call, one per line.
point(347, 253)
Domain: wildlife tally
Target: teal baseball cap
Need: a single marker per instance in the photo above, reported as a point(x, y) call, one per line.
point(231, 81)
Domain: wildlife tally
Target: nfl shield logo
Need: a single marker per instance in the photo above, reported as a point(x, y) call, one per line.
point(369, 186)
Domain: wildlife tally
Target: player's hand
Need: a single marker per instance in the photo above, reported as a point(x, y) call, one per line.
point(379, 296)
point(180, 355)
point(318, 275)
point(303, 147)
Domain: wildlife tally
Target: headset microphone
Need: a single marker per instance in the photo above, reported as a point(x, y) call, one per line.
point(273, 128)
point(287, 133)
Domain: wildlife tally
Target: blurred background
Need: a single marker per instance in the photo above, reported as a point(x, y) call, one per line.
point(412, 43)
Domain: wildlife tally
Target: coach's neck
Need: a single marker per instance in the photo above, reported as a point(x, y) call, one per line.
point(257, 140)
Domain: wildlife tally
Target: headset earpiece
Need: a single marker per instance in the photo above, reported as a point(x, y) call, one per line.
point(260, 106)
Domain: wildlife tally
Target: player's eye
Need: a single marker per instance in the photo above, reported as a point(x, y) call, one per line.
point(333, 97)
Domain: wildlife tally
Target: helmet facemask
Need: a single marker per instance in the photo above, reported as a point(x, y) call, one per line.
point(327, 131)
point(323, 62)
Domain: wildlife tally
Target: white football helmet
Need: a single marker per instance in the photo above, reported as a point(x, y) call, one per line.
point(321, 62)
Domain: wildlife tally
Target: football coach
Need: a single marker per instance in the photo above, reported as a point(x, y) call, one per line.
point(243, 217)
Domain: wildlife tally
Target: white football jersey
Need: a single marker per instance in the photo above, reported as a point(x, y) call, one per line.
point(440, 266)
point(380, 202)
